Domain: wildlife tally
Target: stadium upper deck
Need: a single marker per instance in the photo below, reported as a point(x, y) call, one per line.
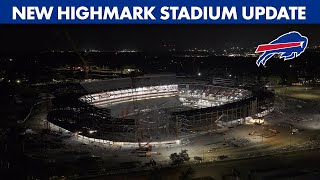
point(95, 86)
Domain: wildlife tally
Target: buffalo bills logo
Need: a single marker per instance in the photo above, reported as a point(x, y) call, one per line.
point(288, 46)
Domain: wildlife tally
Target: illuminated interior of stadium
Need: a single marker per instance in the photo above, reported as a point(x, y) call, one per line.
point(209, 96)
point(127, 95)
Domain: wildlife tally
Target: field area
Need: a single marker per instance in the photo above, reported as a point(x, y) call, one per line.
point(300, 92)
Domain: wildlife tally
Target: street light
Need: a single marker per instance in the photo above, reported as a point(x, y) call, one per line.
point(291, 133)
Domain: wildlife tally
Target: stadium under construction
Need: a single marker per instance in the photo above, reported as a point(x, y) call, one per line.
point(158, 109)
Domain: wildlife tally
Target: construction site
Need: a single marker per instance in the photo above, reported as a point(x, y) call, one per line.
point(155, 110)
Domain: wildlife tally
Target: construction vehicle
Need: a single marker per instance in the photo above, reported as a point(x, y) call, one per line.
point(145, 150)
point(147, 154)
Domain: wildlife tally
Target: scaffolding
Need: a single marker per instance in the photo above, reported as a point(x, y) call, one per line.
point(207, 118)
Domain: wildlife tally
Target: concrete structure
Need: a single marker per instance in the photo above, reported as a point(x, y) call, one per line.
point(199, 107)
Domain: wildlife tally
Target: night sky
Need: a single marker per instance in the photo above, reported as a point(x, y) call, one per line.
point(36, 38)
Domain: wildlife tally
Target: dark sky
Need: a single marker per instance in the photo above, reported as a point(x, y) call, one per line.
point(35, 38)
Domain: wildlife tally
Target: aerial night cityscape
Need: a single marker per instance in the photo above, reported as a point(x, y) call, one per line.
point(159, 102)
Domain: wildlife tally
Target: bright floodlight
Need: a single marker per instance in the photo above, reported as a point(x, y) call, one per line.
point(92, 131)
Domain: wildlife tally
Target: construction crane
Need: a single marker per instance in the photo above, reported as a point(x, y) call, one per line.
point(146, 147)
point(76, 50)
point(145, 150)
